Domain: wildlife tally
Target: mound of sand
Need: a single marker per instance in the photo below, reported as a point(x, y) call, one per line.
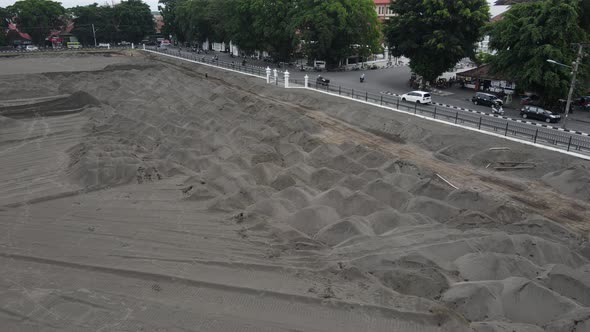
point(517, 299)
point(344, 230)
point(574, 181)
point(297, 195)
point(313, 218)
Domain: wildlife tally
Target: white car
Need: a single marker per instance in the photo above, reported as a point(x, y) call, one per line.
point(31, 48)
point(420, 97)
point(104, 45)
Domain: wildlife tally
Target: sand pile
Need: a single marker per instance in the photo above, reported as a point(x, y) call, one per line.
point(490, 263)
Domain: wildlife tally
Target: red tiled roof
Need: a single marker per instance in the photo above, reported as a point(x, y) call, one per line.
point(382, 2)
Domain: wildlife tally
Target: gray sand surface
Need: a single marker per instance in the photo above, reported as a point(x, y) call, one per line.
point(138, 194)
point(40, 63)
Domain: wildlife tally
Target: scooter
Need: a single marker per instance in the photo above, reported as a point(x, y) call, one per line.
point(498, 110)
point(363, 78)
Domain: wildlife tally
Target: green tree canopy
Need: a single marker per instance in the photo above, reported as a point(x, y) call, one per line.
point(335, 29)
point(168, 10)
point(129, 21)
point(527, 36)
point(3, 23)
point(133, 20)
point(332, 29)
point(435, 34)
point(37, 17)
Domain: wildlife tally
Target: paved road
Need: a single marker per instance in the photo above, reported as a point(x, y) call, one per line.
point(393, 80)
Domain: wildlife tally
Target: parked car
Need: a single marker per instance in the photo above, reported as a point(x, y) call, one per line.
point(539, 113)
point(322, 81)
point(419, 97)
point(31, 48)
point(104, 45)
point(486, 99)
point(584, 103)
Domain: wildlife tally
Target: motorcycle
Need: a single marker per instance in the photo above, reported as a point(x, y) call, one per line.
point(497, 109)
point(363, 78)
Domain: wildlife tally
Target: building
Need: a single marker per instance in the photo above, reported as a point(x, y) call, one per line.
point(17, 38)
point(382, 8)
point(480, 79)
point(159, 20)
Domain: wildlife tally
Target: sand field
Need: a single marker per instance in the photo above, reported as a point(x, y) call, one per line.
point(138, 193)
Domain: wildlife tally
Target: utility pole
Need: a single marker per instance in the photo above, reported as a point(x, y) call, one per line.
point(94, 34)
point(573, 83)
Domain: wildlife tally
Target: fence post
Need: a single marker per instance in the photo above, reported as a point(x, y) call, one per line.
point(456, 117)
point(306, 81)
point(569, 143)
point(352, 93)
point(479, 125)
point(397, 104)
point(276, 75)
point(366, 96)
point(381, 100)
point(286, 79)
point(339, 89)
point(144, 47)
point(132, 46)
point(506, 131)
point(415, 107)
point(267, 75)
point(536, 132)
point(435, 112)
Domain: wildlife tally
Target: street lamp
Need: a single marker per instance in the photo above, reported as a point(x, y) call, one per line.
point(573, 83)
point(558, 63)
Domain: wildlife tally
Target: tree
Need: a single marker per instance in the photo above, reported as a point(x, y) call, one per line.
point(133, 20)
point(482, 58)
point(527, 36)
point(435, 34)
point(168, 10)
point(37, 17)
point(129, 21)
point(84, 17)
point(332, 30)
point(3, 24)
point(273, 21)
point(192, 20)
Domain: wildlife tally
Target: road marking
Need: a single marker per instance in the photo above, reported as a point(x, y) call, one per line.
point(503, 117)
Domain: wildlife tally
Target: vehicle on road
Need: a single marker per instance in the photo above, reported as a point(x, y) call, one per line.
point(31, 48)
point(539, 113)
point(486, 99)
point(497, 109)
point(584, 103)
point(74, 45)
point(104, 45)
point(322, 81)
point(419, 97)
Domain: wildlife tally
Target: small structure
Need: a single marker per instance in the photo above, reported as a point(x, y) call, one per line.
point(480, 79)
point(17, 38)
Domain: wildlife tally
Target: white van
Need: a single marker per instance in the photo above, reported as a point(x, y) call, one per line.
point(419, 97)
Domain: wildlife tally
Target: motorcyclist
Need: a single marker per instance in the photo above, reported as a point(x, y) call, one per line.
point(497, 108)
point(362, 77)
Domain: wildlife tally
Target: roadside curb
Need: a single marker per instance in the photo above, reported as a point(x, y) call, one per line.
point(502, 117)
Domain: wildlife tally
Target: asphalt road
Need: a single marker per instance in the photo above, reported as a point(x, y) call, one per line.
point(393, 80)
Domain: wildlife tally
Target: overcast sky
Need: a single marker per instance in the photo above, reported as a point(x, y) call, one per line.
point(154, 4)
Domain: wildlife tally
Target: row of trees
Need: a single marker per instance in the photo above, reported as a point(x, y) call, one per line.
point(531, 32)
point(36, 17)
point(329, 30)
point(436, 34)
point(130, 20)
